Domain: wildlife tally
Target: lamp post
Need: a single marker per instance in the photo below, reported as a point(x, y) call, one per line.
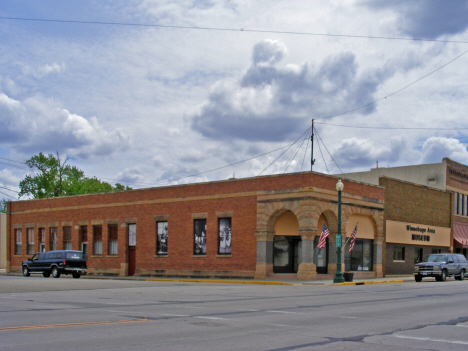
point(339, 273)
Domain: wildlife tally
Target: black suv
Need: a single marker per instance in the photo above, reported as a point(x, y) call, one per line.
point(56, 262)
point(441, 266)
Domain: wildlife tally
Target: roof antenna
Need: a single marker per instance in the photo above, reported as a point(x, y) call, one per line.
point(312, 161)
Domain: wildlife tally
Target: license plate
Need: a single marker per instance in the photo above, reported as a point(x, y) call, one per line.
point(76, 269)
point(424, 273)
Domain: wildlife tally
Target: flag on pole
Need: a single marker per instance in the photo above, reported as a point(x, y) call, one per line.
point(323, 237)
point(353, 238)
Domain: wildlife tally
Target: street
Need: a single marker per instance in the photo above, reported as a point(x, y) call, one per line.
point(102, 314)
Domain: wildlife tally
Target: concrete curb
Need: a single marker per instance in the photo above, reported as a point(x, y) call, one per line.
point(371, 282)
point(219, 281)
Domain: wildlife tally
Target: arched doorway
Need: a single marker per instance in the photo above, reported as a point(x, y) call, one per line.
point(321, 256)
point(287, 244)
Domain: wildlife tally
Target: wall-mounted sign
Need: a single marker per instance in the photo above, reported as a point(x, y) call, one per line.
point(417, 234)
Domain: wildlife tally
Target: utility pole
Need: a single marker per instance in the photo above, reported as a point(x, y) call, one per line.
point(312, 161)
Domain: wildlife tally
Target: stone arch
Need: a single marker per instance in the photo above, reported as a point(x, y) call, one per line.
point(286, 224)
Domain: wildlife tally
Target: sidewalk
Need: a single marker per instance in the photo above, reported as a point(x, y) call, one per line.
point(326, 281)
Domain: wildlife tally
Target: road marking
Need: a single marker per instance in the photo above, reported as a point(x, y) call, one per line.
point(188, 307)
point(274, 311)
point(204, 317)
point(431, 339)
point(249, 310)
point(347, 317)
point(24, 327)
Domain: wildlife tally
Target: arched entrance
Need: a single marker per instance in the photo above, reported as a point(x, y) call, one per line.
point(287, 244)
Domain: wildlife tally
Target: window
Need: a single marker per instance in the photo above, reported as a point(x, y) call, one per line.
point(18, 242)
point(361, 258)
point(199, 231)
point(398, 253)
point(460, 204)
point(418, 254)
point(132, 234)
point(434, 251)
point(224, 236)
point(112, 232)
point(67, 244)
point(41, 239)
point(455, 211)
point(161, 238)
point(30, 241)
point(465, 209)
point(97, 240)
point(53, 238)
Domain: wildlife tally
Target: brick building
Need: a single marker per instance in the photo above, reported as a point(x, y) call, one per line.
point(253, 227)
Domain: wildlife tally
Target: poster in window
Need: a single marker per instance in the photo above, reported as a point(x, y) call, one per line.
point(200, 236)
point(162, 238)
point(225, 236)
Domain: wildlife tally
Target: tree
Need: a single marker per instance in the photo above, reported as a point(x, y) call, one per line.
point(56, 178)
point(3, 204)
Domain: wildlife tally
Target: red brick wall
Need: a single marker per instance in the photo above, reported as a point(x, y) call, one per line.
point(178, 203)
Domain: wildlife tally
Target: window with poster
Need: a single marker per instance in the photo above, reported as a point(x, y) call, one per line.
point(224, 236)
point(161, 238)
point(199, 233)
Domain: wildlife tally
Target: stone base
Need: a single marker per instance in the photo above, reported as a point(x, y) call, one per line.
point(378, 270)
point(332, 268)
point(263, 270)
point(307, 271)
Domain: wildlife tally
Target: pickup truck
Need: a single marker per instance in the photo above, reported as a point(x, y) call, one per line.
point(441, 266)
point(56, 263)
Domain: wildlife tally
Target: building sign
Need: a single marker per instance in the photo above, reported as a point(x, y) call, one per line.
point(417, 234)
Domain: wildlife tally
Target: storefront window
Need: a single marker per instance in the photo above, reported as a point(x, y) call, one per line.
point(398, 253)
point(361, 257)
point(418, 254)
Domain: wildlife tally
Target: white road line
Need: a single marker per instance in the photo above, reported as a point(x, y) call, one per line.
point(431, 339)
point(188, 307)
point(461, 325)
point(274, 311)
point(249, 310)
point(348, 317)
point(117, 311)
point(204, 317)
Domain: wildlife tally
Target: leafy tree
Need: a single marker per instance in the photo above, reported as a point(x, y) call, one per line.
point(3, 204)
point(56, 178)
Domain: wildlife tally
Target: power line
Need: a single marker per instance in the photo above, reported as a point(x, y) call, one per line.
point(328, 151)
point(396, 92)
point(298, 148)
point(320, 149)
point(1, 192)
point(234, 30)
point(389, 128)
point(9, 189)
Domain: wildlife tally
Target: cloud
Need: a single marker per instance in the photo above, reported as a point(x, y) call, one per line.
point(35, 125)
point(426, 19)
point(358, 153)
point(42, 71)
point(436, 148)
point(272, 103)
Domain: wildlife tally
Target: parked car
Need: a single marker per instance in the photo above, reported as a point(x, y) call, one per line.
point(56, 263)
point(441, 266)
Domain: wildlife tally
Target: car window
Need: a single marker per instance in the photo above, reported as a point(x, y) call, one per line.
point(52, 255)
point(461, 258)
point(74, 255)
point(35, 257)
point(454, 258)
point(435, 258)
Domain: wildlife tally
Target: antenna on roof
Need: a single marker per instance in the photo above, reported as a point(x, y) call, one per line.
point(312, 161)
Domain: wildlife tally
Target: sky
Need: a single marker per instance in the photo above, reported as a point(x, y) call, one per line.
point(160, 92)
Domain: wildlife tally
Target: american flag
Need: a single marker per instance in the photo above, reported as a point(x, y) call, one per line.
point(353, 238)
point(323, 237)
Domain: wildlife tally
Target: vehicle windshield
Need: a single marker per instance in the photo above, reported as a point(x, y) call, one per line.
point(75, 255)
point(435, 258)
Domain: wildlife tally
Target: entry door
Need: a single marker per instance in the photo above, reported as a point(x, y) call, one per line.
point(84, 249)
point(321, 257)
point(286, 254)
point(131, 249)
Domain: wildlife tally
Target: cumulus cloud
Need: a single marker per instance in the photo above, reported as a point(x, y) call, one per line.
point(35, 125)
point(130, 175)
point(357, 152)
point(271, 103)
point(436, 148)
point(44, 70)
point(427, 19)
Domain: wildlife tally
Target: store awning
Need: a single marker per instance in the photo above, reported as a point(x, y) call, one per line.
point(460, 234)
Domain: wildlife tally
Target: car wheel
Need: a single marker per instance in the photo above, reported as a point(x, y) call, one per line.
point(461, 276)
point(26, 271)
point(76, 275)
point(418, 278)
point(46, 274)
point(443, 276)
point(55, 272)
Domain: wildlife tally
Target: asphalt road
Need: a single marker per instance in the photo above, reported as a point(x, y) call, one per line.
point(100, 314)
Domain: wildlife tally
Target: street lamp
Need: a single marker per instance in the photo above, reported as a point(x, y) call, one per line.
point(339, 273)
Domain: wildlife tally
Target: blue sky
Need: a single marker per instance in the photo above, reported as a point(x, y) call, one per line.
point(147, 105)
